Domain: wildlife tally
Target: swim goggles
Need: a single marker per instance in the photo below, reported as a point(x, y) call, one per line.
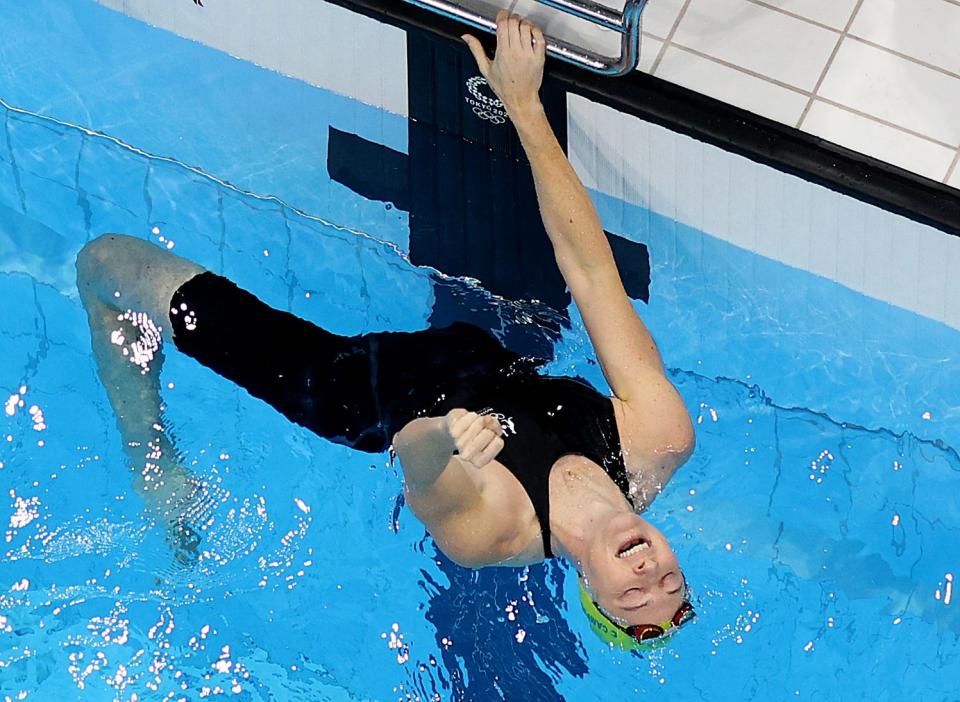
point(638, 637)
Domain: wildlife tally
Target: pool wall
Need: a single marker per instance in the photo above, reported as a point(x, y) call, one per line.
point(641, 173)
point(322, 44)
point(317, 42)
point(207, 148)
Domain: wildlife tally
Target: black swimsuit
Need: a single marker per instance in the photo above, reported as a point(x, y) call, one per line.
point(361, 390)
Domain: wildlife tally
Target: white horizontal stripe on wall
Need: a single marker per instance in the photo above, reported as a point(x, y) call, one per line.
point(314, 41)
point(758, 208)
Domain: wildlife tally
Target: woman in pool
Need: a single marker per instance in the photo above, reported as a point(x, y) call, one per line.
point(504, 466)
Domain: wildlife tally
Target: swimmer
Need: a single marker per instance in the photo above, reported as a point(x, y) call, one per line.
point(504, 466)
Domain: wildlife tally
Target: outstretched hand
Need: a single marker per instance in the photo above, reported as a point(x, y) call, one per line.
point(516, 72)
point(478, 437)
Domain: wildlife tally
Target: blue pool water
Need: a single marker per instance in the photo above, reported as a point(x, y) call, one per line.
point(817, 521)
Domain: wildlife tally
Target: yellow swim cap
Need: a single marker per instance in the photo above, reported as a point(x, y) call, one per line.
point(615, 635)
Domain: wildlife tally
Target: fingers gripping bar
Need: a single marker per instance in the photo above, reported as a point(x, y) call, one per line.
point(627, 24)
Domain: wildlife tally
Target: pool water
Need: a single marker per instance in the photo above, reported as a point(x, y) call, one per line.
point(817, 521)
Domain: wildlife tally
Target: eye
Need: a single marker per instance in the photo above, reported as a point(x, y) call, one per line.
point(634, 598)
point(672, 582)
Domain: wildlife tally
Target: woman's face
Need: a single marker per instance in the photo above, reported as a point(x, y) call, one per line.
point(632, 572)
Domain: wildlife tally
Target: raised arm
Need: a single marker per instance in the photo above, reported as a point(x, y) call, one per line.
point(583, 254)
point(628, 355)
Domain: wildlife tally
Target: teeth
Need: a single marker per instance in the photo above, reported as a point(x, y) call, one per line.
point(636, 548)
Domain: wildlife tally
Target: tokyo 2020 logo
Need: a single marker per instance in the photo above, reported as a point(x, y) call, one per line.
point(485, 106)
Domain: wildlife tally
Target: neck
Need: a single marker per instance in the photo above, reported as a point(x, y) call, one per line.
point(582, 496)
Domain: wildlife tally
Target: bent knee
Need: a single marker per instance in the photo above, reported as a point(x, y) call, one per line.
point(98, 253)
point(145, 275)
point(112, 260)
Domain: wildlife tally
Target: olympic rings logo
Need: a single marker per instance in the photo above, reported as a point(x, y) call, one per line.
point(484, 106)
point(493, 117)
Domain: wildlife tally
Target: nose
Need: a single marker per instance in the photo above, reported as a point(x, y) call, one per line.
point(644, 565)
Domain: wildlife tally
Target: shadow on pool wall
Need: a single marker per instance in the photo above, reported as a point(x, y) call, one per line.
point(469, 191)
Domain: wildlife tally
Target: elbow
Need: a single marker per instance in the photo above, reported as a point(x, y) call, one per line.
point(466, 560)
point(679, 441)
point(685, 439)
point(691, 444)
point(411, 436)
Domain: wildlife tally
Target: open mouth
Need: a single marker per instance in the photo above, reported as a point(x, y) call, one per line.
point(633, 546)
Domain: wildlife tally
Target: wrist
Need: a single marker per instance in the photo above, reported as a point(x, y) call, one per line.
point(524, 110)
point(534, 129)
point(432, 431)
point(424, 447)
point(440, 428)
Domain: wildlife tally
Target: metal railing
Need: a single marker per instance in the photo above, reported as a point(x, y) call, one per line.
point(627, 24)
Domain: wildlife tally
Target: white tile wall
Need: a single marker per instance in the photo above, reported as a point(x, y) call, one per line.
point(649, 51)
point(833, 13)
point(896, 62)
point(660, 16)
point(758, 39)
point(928, 30)
point(900, 92)
point(885, 142)
point(758, 208)
point(955, 176)
point(717, 80)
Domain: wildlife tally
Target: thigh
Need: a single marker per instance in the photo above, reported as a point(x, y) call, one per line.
point(317, 379)
point(415, 371)
point(124, 273)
